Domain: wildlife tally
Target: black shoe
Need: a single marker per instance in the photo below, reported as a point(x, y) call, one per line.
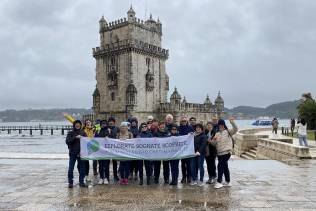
point(156, 181)
point(141, 182)
point(173, 183)
point(189, 180)
point(116, 179)
point(70, 185)
point(148, 181)
point(82, 185)
point(167, 181)
point(183, 180)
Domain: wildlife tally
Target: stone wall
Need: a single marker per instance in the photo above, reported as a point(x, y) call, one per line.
point(277, 150)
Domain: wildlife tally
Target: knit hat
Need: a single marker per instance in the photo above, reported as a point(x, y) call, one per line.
point(77, 122)
point(124, 124)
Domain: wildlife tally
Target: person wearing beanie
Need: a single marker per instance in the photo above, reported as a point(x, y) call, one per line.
point(144, 133)
point(73, 142)
point(174, 164)
point(134, 130)
point(197, 162)
point(123, 135)
point(162, 132)
point(104, 165)
point(223, 142)
point(185, 129)
point(113, 131)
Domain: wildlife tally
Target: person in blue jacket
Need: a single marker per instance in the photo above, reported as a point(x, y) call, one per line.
point(144, 133)
point(174, 164)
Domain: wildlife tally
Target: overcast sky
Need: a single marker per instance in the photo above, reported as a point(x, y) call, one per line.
point(256, 52)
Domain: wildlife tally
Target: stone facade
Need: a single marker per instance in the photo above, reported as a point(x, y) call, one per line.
point(131, 74)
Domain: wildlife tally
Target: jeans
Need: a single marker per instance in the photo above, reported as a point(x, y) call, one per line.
point(211, 166)
point(166, 170)
point(73, 157)
point(174, 170)
point(197, 163)
point(114, 163)
point(124, 169)
point(303, 141)
point(222, 168)
point(186, 168)
point(104, 169)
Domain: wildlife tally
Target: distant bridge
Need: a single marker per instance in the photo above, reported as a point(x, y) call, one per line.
point(41, 128)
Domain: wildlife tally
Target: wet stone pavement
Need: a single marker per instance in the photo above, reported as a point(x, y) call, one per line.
point(257, 185)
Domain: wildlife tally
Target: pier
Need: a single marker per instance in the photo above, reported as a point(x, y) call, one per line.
point(52, 128)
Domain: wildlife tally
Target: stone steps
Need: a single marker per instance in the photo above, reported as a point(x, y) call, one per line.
point(251, 154)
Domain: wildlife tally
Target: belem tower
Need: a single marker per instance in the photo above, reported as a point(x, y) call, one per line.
point(131, 75)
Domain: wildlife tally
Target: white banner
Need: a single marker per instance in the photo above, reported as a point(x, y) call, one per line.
point(169, 148)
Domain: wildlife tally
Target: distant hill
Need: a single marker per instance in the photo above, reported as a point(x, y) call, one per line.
point(41, 114)
point(284, 110)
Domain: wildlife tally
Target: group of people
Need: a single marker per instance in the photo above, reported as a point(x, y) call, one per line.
point(214, 140)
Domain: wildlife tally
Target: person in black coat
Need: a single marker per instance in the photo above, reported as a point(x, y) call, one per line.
point(211, 153)
point(185, 129)
point(162, 132)
point(104, 165)
point(197, 162)
point(174, 164)
point(135, 131)
point(113, 132)
point(73, 142)
point(144, 133)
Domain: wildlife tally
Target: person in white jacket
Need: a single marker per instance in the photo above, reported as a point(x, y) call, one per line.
point(224, 145)
point(302, 132)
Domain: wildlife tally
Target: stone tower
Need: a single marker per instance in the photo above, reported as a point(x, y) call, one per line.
point(130, 68)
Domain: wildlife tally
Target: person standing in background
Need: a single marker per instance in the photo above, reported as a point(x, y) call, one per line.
point(275, 125)
point(292, 126)
point(192, 121)
point(302, 133)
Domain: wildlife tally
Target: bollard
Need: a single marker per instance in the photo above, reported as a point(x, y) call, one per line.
point(283, 130)
point(31, 132)
point(62, 131)
point(20, 131)
point(51, 131)
point(41, 132)
point(9, 131)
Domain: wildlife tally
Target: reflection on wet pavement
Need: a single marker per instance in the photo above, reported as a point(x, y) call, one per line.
point(257, 185)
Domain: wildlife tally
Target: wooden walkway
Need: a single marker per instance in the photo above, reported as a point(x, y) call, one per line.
point(41, 128)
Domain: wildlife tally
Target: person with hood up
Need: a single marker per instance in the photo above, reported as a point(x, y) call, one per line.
point(223, 142)
point(104, 165)
point(73, 142)
point(124, 134)
point(174, 164)
point(197, 162)
point(134, 130)
point(162, 132)
point(185, 129)
point(144, 133)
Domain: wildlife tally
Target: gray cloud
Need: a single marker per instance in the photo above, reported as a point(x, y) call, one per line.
point(255, 52)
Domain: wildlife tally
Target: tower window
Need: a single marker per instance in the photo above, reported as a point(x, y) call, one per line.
point(112, 61)
point(112, 96)
point(148, 62)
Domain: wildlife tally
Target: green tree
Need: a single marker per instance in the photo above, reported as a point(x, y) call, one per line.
point(307, 110)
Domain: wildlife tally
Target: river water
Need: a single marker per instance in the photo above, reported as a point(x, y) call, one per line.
point(47, 143)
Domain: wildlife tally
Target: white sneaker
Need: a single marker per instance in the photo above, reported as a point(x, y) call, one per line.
point(193, 183)
point(200, 184)
point(218, 185)
point(106, 181)
point(101, 182)
point(87, 179)
point(227, 184)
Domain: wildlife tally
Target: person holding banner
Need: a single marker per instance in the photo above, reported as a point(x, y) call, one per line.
point(174, 164)
point(104, 165)
point(185, 129)
point(144, 133)
point(124, 165)
point(113, 130)
point(135, 131)
point(89, 130)
point(73, 142)
point(162, 132)
point(197, 162)
point(224, 145)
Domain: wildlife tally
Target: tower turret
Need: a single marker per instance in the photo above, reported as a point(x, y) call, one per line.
point(219, 104)
point(131, 14)
point(102, 23)
point(175, 98)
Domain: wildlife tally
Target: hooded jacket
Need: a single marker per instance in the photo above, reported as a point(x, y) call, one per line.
point(224, 142)
point(185, 129)
point(73, 142)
